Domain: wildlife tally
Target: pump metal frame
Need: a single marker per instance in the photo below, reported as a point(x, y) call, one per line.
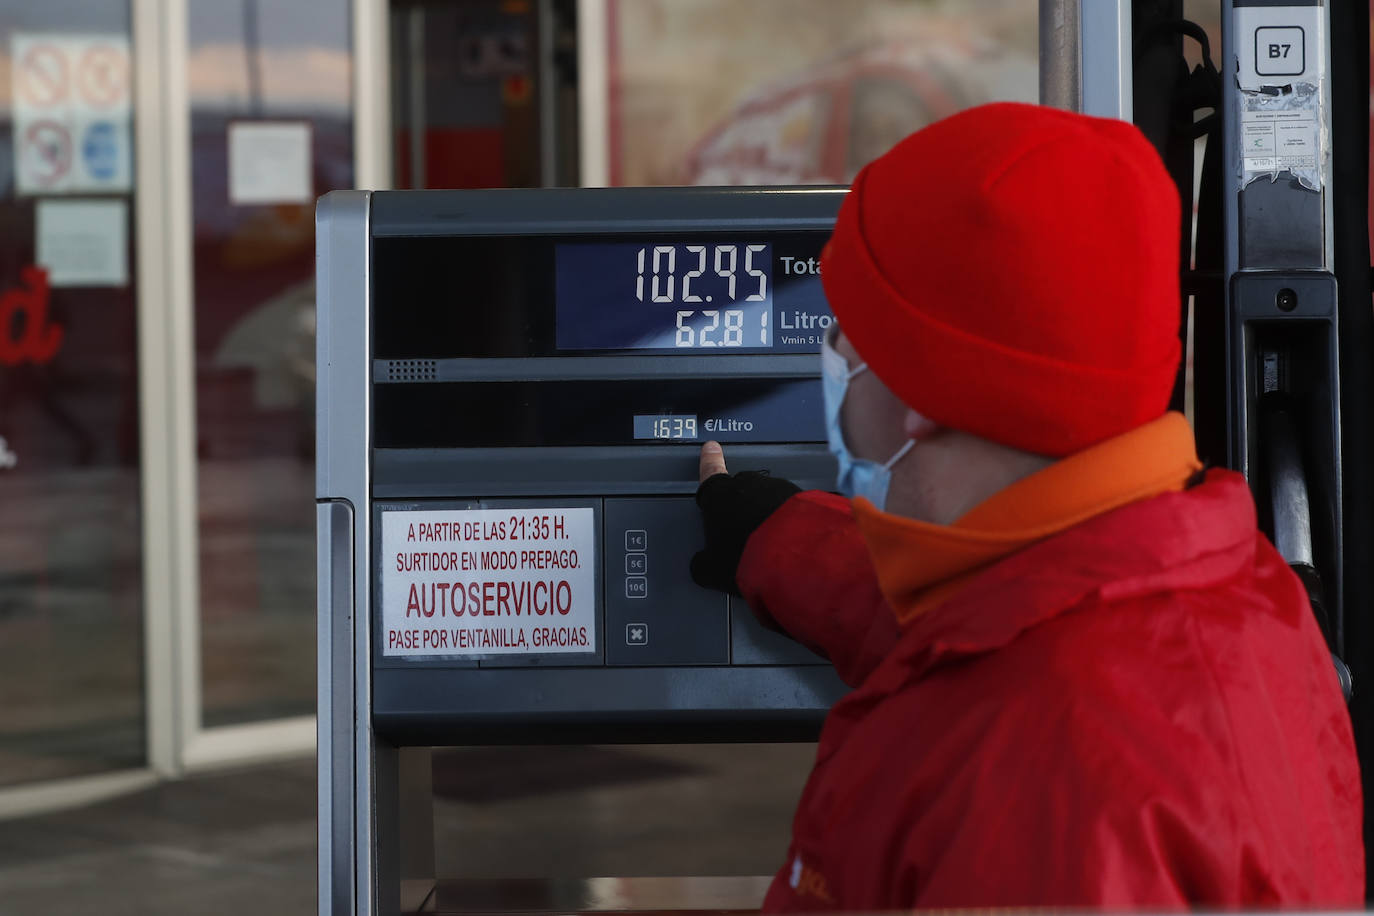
point(1085, 56)
point(378, 717)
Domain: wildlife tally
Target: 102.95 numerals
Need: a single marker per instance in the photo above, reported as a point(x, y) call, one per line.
point(660, 270)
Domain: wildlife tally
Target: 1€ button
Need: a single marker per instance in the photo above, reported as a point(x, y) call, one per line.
point(636, 540)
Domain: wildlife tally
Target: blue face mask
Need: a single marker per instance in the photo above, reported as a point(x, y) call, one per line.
point(857, 476)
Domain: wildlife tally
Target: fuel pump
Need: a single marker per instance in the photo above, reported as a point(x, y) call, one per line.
point(506, 451)
point(513, 390)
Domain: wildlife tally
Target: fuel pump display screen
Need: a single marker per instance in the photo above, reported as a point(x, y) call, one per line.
point(619, 327)
point(657, 295)
point(677, 293)
point(674, 428)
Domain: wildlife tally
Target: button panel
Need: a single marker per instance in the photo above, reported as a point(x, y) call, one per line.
point(655, 613)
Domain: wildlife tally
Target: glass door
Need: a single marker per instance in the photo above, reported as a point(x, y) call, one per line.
point(271, 129)
point(71, 582)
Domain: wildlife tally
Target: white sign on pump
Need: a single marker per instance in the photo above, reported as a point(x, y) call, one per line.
point(478, 582)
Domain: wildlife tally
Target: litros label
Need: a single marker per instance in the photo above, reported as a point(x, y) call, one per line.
point(488, 582)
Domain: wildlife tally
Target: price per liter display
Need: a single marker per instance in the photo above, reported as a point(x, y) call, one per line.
point(668, 427)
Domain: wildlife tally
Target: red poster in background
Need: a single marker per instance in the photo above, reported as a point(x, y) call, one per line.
point(26, 332)
point(792, 102)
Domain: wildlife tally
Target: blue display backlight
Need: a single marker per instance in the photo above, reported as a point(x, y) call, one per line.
point(706, 297)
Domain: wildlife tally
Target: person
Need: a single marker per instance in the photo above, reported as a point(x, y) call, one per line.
point(1082, 676)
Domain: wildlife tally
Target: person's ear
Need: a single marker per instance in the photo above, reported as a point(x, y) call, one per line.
point(918, 427)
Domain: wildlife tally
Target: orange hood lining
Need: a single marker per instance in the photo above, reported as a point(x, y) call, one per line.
point(921, 565)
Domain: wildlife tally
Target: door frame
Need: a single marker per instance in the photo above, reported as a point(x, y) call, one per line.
point(177, 741)
point(182, 743)
point(178, 695)
point(165, 405)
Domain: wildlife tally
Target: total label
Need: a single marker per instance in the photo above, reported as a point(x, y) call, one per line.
point(488, 582)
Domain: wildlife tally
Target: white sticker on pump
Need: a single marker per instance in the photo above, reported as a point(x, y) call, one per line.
point(488, 582)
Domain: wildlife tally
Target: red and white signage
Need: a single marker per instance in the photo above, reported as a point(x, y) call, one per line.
point(482, 582)
point(71, 113)
point(44, 155)
point(41, 75)
point(102, 75)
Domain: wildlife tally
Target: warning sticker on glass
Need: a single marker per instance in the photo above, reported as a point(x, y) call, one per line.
point(488, 582)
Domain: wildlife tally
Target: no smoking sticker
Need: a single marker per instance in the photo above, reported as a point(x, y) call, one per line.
point(103, 76)
point(45, 153)
point(41, 75)
point(72, 113)
point(481, 582)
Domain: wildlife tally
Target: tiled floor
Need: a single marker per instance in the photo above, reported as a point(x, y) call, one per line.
point(243, 842)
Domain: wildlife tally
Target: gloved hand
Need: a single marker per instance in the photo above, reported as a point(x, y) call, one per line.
point(733, 506)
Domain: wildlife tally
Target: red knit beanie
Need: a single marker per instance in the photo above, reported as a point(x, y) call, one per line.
point(1012, 272)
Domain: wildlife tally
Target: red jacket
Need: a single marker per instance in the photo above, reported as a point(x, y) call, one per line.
point(1137, 711)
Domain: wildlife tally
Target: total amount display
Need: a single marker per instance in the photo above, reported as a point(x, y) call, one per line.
point(653, 296)
point(658, 278)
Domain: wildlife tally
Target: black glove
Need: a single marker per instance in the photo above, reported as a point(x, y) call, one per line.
point(733, 506)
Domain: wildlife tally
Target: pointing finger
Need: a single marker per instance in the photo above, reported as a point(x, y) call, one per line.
point(712, 461)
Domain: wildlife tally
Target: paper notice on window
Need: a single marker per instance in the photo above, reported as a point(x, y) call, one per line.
point(83, 242)
point(270, 163)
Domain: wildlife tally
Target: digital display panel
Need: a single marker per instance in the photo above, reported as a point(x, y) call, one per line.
point(568, 412)
point(545, 296)
point(669, 427)
point(708, 296)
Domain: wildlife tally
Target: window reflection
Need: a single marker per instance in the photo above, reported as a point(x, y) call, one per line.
point(799, 91)
point(70, 560)
point(465, 93)
point(274, 76)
